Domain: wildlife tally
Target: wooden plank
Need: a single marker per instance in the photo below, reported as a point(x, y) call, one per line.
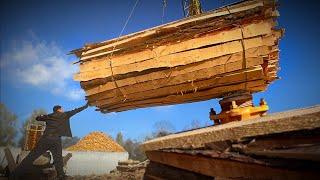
point(224, 79)
point(251, 30)
point(211, 66)
point(191, 31)
point(230, 154)
point(107, 83)
point(252, 86)
point(193, 84)
point(284, 141)
point(155, 51)
point(182, 58)
point(300, 119)
point(212, 14)
point(188, 31)
point(189, 97)
point(185, 97)
point(178, 59)
point(225, 168)
point(160, 171)
point(311, 153)
point(287, 146)
point(167, 91)
point(188, 78)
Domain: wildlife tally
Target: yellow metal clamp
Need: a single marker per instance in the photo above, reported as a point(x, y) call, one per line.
point(236, 113)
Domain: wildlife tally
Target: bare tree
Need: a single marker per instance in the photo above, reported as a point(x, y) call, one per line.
point(134, 150)
point(195, 124)
point(163, 128)
point(8, 126)
point(119, 138)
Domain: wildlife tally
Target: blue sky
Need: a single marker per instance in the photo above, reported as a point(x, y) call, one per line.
point(36, 71)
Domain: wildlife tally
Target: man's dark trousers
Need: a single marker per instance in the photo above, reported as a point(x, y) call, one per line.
point(46, 142)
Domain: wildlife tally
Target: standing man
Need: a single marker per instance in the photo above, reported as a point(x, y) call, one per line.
point(57, 125)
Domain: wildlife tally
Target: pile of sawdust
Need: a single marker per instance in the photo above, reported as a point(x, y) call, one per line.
point(96, 141)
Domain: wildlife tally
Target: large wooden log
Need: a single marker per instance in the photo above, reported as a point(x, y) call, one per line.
point(157, 171)
point(188, 72)
point(301, 146)
point(283, 145)
point(178, 62)
point(250, 30)
point(187, 78)
point(102, 84)
point(215, 167)
point(242, 7)
point(126, 101)
point(224, 79)
point(169, 81)
point(288, 121)
point(172, 36)
point(182, 58)
point(311, 153)
point(217, 92)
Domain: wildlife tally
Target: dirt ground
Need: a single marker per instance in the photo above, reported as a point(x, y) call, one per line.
point(138, 174)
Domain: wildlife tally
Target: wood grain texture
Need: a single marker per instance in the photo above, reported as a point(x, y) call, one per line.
point(236, 8)
point(192, 86)
point(178, 59)
point(187, 72)
point(300, 119)
point(225, 168)
point(181, 62)
point(194, 96)
point(250, 30)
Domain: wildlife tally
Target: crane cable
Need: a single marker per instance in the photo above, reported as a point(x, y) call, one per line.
point(125, 25)
point(244, 58)
point(114, 47)
point(164, 5)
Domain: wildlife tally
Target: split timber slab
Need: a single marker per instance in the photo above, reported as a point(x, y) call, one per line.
point(282, 145)
point(184, 61)
point(158, 171)
point(215, 167)
point(293, 120)
point(96, 47)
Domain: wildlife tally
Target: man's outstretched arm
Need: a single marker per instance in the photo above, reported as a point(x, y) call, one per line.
point(77, 110)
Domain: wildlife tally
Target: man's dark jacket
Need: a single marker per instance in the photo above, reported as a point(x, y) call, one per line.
point(58, 123)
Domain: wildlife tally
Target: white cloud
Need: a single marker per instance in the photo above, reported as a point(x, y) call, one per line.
point(40, 64)
point(111, 114)
point(163, 108)
point(76, 94)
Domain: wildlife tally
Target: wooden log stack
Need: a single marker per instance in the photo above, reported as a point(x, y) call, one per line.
point(284, 145)
point(233, 48)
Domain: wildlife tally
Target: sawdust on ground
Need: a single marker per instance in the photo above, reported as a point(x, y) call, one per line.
point(97, 141)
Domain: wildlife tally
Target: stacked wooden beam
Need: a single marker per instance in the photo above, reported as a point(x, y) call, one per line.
point(283, 145)
point(233, 48)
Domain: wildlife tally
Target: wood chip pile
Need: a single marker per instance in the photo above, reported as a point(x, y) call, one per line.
point(198, 58)
point(98, 142)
